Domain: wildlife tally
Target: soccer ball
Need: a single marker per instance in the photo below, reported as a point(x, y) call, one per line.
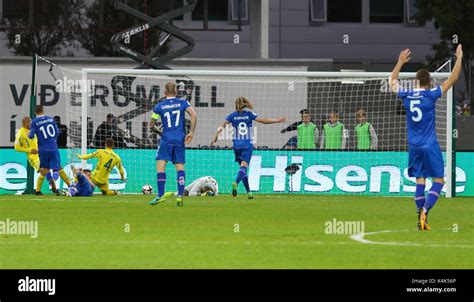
point(147, 189)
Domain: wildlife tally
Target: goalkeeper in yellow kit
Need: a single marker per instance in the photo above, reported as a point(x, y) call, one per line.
point(107, 160)
point(26, 145)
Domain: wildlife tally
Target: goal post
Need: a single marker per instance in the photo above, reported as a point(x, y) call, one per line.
point(129, 95)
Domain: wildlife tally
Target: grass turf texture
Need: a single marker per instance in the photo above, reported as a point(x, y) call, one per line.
point(277, 231)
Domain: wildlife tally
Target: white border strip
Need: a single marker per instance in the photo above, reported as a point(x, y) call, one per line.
point(255, 73)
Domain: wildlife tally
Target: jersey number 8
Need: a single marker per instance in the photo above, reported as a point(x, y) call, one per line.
point(243, 130)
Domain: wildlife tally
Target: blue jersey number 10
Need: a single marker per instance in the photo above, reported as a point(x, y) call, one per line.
point(49, 132)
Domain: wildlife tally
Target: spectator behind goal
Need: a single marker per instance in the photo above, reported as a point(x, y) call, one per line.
point(334, 135)
point(365, 133)
point(308, 133)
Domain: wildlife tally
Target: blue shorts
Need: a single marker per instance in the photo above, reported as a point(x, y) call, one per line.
point(49, 159)
point(243, 154)
point(425, 161)
point(174, 154)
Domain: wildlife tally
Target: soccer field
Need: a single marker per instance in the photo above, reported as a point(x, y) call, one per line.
point(279, 231)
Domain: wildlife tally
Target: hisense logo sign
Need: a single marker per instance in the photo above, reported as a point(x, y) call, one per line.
point(322, 177)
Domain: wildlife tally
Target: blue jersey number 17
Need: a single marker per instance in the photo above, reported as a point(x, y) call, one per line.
point(168, 117)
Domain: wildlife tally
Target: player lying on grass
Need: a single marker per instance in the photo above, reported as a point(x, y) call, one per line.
point(82, 185)
point(27, 145)
point(173, 139)
point(47, 132)
point(241, 120)
point(107, 160)
point(203, 186)
point(425, 158)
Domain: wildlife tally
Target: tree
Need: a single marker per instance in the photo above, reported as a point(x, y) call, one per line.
point(101, 20)
point(455, 24)
point(44, 30)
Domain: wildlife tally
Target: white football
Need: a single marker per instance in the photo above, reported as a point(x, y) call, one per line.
point(147, 189)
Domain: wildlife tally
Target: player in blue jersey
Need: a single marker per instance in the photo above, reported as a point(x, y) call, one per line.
point(242, 120)
point(173, 139)
point(45, 128)
point(82, 185)
point(425, 158)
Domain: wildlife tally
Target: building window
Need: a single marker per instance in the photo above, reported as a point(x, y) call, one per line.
point(344, 11)
point(234, 9)
point(411, 11)
point(217, 10)
point(318, 10)
point(382, 11)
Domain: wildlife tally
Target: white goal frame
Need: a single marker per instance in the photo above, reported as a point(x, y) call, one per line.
point(278, 74)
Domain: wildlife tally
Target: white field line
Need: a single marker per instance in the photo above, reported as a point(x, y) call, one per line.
point(361, 238)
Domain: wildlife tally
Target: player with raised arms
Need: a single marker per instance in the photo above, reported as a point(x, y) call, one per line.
point(425, 158)
point(47, 132)
point(173, 141)
point(107, 160)
point(241, 120)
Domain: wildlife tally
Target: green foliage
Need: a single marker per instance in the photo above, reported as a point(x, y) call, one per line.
point(46, 32)
point(455, 24)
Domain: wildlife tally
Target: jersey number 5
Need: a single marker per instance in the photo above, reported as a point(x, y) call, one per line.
point(417, 114)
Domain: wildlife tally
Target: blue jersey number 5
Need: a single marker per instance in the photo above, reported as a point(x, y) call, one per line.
point(417, 114)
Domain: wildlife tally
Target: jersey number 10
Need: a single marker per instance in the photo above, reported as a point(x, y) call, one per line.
point(49, 132)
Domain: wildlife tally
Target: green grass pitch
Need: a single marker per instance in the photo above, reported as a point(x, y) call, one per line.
point(280, 231)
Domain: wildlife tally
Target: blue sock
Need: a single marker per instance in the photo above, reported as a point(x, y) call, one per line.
point(181, 179)
point(433, 195)
point(420, 196)
point(55, 175)
point(245, 181)
point(49, 176)
point(161, 181)
point(242, 173)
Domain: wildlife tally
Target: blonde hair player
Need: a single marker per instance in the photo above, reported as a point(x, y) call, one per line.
point(241, 120)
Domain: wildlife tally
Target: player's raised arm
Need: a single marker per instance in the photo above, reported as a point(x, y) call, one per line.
point(403, 58)
point(219, 130)
point(456, 71)
point(87, 156)
point(192, 114)
point(263, 120)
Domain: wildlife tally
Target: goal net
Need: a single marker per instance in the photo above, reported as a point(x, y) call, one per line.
point(363, 151)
